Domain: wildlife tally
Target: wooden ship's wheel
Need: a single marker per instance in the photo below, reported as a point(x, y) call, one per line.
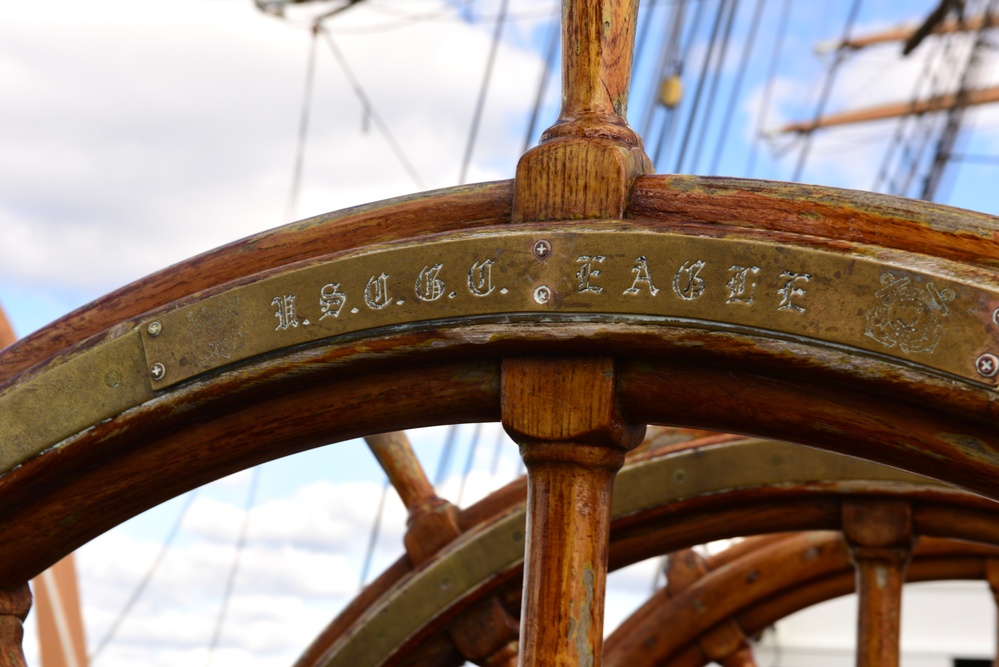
point(576, 304)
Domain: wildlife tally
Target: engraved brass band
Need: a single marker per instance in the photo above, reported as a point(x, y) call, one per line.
point(478, 557)
point(925, 316)
point(924, 311)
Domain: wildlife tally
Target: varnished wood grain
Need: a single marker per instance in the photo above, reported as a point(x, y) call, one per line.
point(563, 412)
point(15, 603)
point(712, 516)
point(732, 204)
point(880, 536)
point(725, 643)
point(462, 207)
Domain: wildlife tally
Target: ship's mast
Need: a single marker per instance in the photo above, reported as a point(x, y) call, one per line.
point(953, 103)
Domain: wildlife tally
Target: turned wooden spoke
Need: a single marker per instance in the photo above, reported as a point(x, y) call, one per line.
point(485, 633)
point(563, 413)
point(15, 603)
point(881, 538)
point(433, 521)
point(716, 596)
point(784, 592)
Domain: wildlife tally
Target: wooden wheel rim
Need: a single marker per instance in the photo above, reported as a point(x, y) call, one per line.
point(665, 503)
point(247, 413)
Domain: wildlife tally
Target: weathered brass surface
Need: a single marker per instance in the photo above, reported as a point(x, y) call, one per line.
point(474, 559)
point(919, 310)
point(924, 314)
point(95, 385)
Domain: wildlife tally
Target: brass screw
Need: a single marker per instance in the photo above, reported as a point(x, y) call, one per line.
point(542, 294)
point(158, 371)
point(987, 365)
point(154, 328)
point(542, 248)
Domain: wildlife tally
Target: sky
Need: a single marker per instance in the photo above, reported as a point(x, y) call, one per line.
point(137, 133)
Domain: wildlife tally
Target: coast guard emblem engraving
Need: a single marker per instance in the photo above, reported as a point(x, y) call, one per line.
point(910, 315)
point(215, 332)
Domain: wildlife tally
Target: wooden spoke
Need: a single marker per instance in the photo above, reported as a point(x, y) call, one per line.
point(704, 604)
point(934, 559)
point(880, 536)
point(433, 521)
point(563, 413)
point(485, 634)
point(14, 606)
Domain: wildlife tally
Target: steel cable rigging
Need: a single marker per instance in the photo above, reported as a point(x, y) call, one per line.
point(484, 88)
point(769, 89)
point(732, 6)
point(230, 583)
point(737, 86)
point(826, 91)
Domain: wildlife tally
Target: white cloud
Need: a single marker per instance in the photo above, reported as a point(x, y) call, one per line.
point(136, 135)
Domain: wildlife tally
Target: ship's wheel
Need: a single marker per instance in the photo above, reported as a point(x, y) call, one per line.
point(576, 304)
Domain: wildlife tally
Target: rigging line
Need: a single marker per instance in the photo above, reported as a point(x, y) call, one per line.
point(659, 572)
point(550, 51)
point(692, 116)
point(903, 123)
point(234, 568)
point(303, 131)
point(672, 117)
point(924, 125)
point(826, 91)
point(481, 102)
point(737, 85)
point(144, 582)
point(444, 462)
point(768, 91)
point(376, 528)
point(668, 49)
point(927, 124)
point(709, 110)
point(643, 35)
point(955, 115)
point(355, 84)
point(912, 154)
point(468, 462)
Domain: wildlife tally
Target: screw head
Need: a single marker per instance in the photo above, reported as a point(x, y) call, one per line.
point(542, 248)
point(987, 365)
point(157, 371)
point(542, 294)
point(995, 316)
point(154, 328)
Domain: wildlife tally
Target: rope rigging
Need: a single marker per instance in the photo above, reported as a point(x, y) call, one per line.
point(826, 91)
point(769, 89)
point(737, 86)
point(732, 6)
point(483, 89)
point(230, 583)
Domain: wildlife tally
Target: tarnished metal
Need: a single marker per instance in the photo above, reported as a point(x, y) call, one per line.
point(478, 557)
point(885, 303)
point(69, 397)
point(912, 308)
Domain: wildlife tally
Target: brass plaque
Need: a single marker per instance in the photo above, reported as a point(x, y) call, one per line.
point(924, 314)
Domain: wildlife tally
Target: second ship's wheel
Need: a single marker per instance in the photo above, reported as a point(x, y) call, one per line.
point(576, 304)
point(461, 602)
